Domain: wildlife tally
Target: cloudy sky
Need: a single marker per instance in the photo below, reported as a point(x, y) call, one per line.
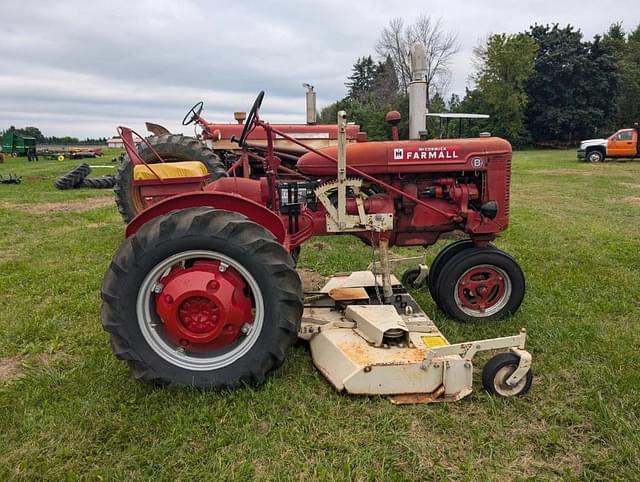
point(83, 67)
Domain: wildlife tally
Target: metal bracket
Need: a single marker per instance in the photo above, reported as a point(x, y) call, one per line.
point(523, 366)
point(468, 350)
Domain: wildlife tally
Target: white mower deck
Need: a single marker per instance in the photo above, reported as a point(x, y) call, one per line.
point(364, 347)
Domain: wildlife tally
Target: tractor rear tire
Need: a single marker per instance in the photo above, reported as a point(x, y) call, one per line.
point(172, 148)
point(139, 281)
point(442, 258)
point(102, 182)
point(480, 284)
point(73, 178)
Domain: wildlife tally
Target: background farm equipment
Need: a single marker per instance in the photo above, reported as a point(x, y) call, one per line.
point(10, 179)
point(203, 291)
point(15, 145)
point(216, 148)
point(70, 153)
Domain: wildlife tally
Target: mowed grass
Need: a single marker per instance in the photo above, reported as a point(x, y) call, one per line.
point(71, 410)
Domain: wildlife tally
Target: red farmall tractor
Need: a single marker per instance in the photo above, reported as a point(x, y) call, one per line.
point(204, 292)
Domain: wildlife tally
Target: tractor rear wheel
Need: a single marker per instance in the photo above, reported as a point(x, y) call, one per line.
point(172, 148)
point(480, 284)
point(202, 297)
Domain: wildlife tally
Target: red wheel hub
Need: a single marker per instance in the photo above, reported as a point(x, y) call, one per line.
point(481, 288)
point(203, 308)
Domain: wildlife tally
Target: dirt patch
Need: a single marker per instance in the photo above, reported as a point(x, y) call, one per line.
point(10, 368)
point(46, 360)
point(320, 246)
point(632, 200)
point(630, 184)
point(311, 281)
point(78, 206)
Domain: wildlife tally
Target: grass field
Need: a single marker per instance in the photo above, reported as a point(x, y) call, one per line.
point(69, 409)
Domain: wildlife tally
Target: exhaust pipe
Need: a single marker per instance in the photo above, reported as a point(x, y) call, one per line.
point(311, 104)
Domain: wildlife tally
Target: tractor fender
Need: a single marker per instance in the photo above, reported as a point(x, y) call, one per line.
point(255, 212)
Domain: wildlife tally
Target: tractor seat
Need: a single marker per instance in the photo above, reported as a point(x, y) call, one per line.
point(170, 170)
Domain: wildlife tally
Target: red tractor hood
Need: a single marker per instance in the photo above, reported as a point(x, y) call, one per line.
point(391, 157)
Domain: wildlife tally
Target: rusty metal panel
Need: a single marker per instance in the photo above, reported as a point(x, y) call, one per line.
point(345, 294)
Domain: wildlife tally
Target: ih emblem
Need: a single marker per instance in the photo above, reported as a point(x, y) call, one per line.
point(398, 154)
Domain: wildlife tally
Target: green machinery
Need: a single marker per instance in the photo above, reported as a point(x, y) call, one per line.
point(16, 145)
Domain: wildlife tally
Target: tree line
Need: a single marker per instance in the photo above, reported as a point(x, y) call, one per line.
point(31, 131)
point(546, 86)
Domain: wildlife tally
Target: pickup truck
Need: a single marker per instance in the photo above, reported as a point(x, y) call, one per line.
point(621, 144)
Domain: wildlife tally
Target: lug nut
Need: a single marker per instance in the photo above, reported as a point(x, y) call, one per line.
point(213, 285)
point(157, 288)
point(245, 328)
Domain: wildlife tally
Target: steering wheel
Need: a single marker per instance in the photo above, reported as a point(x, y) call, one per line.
point(193, 114)
point(248, 124)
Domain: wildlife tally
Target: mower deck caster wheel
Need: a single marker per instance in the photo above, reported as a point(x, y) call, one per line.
point(498, 370)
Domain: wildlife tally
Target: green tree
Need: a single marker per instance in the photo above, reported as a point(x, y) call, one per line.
point(572, 85)
point(385, 87)
point(504, 65)
point(626, 50)
point(362, 78)
point(372, 91)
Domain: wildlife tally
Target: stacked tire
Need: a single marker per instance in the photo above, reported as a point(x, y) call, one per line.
point(73, 178)
point(77, 177)
point(101, 182)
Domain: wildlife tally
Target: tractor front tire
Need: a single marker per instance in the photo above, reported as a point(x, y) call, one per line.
point(443, 258)
point(191, 261)
point(172, 148)
point(480, 284)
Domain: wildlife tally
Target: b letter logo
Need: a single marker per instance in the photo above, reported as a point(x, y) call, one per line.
point(476, 162)
point(398, 154)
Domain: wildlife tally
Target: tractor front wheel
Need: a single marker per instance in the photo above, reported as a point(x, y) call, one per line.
point(480, 284)
point(172, 148)
point(443, 258)
point(202, 297)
